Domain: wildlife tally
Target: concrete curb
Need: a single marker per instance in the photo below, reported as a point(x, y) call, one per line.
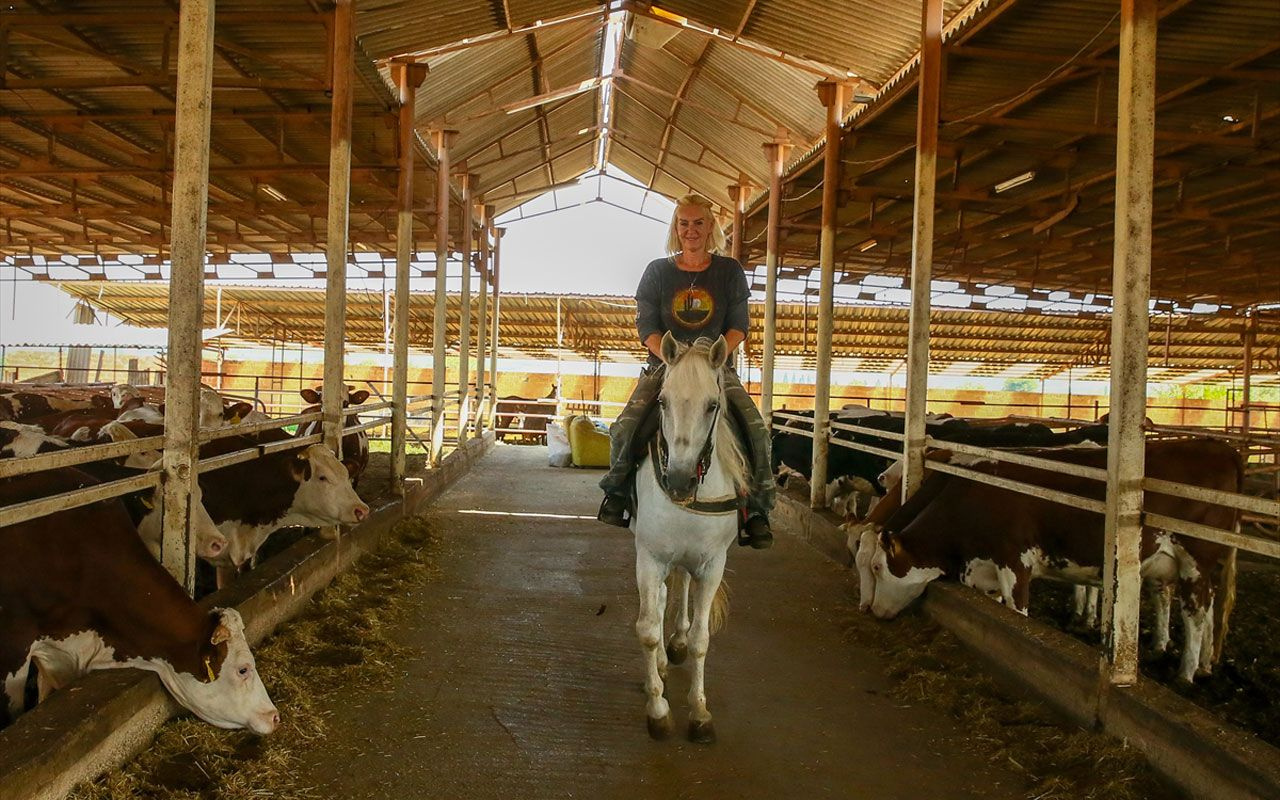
point(1197, 751)
point(106, 718)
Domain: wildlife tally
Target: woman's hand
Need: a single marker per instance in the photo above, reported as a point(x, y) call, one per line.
point(733, 338)
point(654, 342)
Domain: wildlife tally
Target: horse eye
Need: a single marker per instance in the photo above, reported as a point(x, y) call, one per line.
point(711, 407)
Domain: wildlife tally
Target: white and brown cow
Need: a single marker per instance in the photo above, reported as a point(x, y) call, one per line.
point(248, 501)
point(79, 592)
point(998, 541)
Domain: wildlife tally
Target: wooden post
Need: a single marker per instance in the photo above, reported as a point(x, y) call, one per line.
point(1246, 388)
point(465, 244)
point(482, 333)
point(334, 390)
point(1130, 288)
point(776, 154)
point(832, 95)
point(930, 94)
point(443, 140)
point(186, 283)
point(738, 196)
point(408, 78)
point(497, 312)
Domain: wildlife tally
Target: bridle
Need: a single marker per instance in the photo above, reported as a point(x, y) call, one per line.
point(659, 454)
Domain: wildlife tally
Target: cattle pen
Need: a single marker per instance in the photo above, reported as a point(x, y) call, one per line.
point(1025, 214)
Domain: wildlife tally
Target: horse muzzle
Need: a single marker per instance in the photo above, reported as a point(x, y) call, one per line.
point(682, 486)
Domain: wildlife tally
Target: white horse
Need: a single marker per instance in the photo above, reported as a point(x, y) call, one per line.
point(687, 491)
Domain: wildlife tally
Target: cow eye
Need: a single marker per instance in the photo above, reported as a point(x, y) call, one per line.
point(875, 567)
point(324, 478)
point(243, 671)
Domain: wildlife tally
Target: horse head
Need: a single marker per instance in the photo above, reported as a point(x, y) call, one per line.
point(690, 403)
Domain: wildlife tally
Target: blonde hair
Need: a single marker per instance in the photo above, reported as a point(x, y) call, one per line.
point(715, 243)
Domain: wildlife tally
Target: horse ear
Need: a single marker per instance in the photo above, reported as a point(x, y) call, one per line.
point(669, 348)
point(719, 352)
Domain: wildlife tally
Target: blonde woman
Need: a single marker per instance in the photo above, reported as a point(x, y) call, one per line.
point(692, 293)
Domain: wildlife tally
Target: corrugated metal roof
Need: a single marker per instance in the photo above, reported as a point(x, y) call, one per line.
point(1182, 345)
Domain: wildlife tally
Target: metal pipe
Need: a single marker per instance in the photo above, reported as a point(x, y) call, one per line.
point(1131, 289)
point(408, 79)
point(334, 389)
point(776, 153)
point(443, 139)
point(930, 98)
point(482, 321)
point(832, 95)
point(186, 282)
point(464, 308)
point(497, 313)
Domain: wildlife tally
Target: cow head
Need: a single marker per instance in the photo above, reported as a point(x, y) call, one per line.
point(325, 495)
point(224, 688)
point(118, 432)
point(122, 392)
point(210, 544)
point(898, 579)
point(316, 399)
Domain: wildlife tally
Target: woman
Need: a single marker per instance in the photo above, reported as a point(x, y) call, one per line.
point(693, 293)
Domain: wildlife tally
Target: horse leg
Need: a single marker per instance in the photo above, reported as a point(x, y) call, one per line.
point(701, 729)
point(678, 644)
point(650, 577)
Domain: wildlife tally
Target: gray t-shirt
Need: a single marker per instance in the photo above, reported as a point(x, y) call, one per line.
point(692, 304)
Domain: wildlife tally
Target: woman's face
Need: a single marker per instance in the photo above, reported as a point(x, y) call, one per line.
point(692, 228)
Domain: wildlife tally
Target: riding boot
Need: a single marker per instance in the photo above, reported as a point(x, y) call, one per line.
point(754, 531)
point(628, 436)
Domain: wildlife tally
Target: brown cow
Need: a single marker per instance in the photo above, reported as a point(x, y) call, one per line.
point(998, 541)
point(79, 592)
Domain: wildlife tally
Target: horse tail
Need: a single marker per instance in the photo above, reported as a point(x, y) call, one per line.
point(1226, 603)
point(719, 614)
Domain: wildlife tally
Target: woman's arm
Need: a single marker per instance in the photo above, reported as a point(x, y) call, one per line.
point(738, 319)
point(648, 311)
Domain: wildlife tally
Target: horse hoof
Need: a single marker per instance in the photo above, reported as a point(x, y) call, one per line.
point(659, 729)
point(702, 732)
point(677, 653)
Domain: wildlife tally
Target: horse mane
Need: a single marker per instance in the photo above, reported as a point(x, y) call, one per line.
point(727, 450)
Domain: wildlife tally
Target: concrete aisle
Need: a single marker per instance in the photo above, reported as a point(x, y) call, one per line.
point(524, 679)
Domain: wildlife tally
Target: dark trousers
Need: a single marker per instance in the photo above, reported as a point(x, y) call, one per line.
point(640, 417)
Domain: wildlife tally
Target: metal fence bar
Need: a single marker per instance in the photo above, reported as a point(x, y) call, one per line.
point(844, 426)
point(1244, 502)
point(866, 448)
point(31, 509)
point(244, 429)
point(77, 455)
point(1092, 473)
point(1254, 544)
point(1065, 498)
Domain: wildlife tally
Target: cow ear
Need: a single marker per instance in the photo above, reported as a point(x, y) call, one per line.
point(100, 401)
point(132, 403)
point(238, 411)
point(311, 396)
point(356, 398)
point(302, 466)
point(670, 348)
point(719, 352)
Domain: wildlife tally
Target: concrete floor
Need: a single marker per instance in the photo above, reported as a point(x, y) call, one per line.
point(524, 679)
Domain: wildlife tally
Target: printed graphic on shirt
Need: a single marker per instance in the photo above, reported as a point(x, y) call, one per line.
point(692, 307)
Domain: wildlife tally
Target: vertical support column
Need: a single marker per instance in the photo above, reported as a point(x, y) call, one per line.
point(1130, 288)
point(334, 391)
point(832, 95)
point(497, 313)
point(1246, 389)
point(443, 140)
point(482, 333)
point(738, 196)
point(930, 96)
point(465, 244)
point(776, 153)
point(408, 78)
point(186, 283)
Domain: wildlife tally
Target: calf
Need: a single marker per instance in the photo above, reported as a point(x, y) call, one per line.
point(355, 446)
point(250, 500)
point(79, 592)
point(18, 440)
point(998, 541)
